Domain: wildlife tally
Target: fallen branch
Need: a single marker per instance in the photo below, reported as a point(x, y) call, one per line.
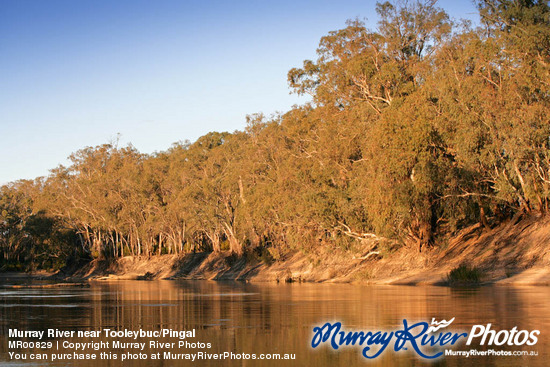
point(367, 255)
point(359, 236)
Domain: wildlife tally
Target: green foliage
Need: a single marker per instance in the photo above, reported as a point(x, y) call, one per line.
point(31, 239)
point(464, 275)
point(416, 129)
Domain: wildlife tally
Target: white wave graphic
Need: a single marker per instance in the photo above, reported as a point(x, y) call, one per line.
point(439, 325)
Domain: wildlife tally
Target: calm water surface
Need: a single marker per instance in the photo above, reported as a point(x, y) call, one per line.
point(272, 318)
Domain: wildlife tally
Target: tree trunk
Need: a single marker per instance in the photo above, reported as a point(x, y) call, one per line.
point(234, 245)
point(483, 218)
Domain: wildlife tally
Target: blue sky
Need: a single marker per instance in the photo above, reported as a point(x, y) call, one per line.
point(77, 73)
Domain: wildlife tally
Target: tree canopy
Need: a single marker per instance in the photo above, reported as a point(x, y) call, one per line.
point(416, 129)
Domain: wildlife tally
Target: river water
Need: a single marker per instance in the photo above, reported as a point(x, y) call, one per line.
point(245, 318)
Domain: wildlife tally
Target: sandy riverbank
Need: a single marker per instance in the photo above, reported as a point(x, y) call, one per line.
point(510, 254)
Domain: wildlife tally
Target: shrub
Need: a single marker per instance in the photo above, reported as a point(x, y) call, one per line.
point(464, 274)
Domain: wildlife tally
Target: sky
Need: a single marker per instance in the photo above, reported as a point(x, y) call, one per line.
point(150, 72)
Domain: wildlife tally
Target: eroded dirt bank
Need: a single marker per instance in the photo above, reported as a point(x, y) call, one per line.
point(513, 253)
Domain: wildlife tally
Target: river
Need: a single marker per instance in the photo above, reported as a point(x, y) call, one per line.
point(260, 319)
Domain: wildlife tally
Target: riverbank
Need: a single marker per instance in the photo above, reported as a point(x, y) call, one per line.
point(514, 253)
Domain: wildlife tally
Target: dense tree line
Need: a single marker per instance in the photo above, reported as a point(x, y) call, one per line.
point(415, 129)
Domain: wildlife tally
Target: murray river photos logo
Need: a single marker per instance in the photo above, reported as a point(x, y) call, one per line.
point(429, 341)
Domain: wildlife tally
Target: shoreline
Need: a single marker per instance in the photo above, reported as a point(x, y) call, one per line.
point(509, 254)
